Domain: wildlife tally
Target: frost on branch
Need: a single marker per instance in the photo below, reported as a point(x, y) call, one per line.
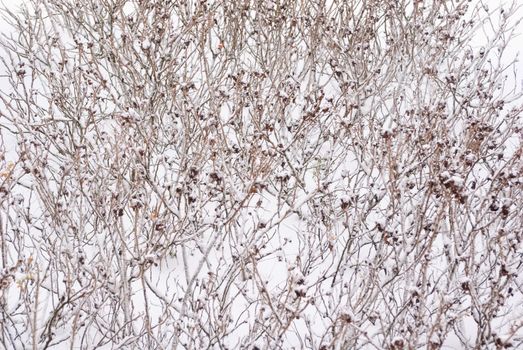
point(260, 175)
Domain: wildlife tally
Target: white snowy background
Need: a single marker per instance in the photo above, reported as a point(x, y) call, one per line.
point(268, 270)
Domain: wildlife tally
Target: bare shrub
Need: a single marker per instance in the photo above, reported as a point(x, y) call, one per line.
point(260, 175)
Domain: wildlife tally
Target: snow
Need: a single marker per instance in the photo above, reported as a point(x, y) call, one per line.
point(231, 203)
point(146, 45)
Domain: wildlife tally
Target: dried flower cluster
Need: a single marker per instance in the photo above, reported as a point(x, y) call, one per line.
point(241, 174)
